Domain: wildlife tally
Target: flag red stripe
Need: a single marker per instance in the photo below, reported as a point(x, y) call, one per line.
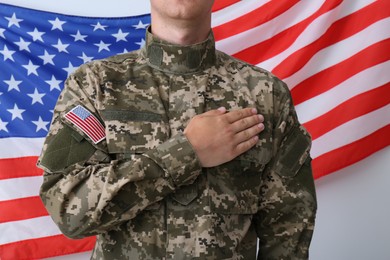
point(220, 4)
point(93, 134)
point(246, 22)
point(332, 76)
point(338, 31)
point(19, 209)
point(39, 248)
point(351, 153)
point(19, 167)
point(275, 45)
point(97, 125)
point(352, 108)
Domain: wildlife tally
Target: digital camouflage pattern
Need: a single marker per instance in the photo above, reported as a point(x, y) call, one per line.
point(142, 190)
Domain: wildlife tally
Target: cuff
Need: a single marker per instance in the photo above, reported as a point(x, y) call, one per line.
point(178, 160)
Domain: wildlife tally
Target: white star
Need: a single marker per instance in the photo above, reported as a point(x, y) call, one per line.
point(79, 37)
point(36, 97)
point(61, 47)
point(41, 124)
point(36, 35)
point(141, 25)
point(141, 43)
point(31, 68)
point(3, 126)
point(2, 32)
point(57, 24)
point(7, 53)
point(102, 46)
point(16, 112)
point(13, 84)
point(47, 58)
point(98, 26)
point(120, 36)
point(23, 45)
point(125, 51)
point(85, 58)
point(70, 69)
point(13, 21)
point(54, 83)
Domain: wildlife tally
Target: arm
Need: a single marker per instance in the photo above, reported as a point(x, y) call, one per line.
point(288, 206)
point(84, 190)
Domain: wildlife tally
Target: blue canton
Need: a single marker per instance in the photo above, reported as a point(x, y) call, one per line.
point(38, 51)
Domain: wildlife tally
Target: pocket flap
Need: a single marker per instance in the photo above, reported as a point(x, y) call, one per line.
point(186, 194)
point(293, 153)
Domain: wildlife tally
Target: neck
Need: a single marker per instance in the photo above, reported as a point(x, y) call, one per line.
point(179, 31)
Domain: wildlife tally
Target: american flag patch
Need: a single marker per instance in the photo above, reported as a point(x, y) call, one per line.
point(87, 123)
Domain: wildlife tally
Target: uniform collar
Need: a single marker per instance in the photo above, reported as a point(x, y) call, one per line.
point(180, 59)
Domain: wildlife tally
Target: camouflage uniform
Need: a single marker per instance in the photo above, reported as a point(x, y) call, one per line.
point(142, 190)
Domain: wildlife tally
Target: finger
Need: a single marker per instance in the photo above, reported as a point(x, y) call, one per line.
point(246, 145)
point(248, 133)
point(246, 123)
point(235, 115)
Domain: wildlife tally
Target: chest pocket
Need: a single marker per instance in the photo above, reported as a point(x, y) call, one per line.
point(235, 186)
point(129, 132)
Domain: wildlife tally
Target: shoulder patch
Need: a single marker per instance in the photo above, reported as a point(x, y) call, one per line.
point(87, 123)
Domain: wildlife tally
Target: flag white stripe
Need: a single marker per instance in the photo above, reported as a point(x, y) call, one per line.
point(342, 50)
point(21, 147)
point(18, 188)
point(235, 11)
point(351, 87)
point(27, 229)
point(244, 40)
point(351, 131)
point(314, 31)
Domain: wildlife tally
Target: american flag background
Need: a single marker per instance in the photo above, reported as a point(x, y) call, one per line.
point(333, 54)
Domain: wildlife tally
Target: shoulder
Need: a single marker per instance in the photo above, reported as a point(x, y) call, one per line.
point(103, 66)
point(132, 56)
point(93, 77)
point(254, 75)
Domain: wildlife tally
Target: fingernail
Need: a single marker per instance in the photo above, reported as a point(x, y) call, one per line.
point(261, 118)
point(254, 110)
point(222, 109)
point(261, 126)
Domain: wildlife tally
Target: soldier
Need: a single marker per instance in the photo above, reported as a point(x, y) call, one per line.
point(179, 151)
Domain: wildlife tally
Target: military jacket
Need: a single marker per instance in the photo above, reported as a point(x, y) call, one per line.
point(141, 189)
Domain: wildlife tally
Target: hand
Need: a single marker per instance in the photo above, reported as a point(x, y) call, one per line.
point(218, 137)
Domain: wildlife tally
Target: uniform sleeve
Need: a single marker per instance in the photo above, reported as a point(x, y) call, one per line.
point(84, 190)
point(287, 209)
